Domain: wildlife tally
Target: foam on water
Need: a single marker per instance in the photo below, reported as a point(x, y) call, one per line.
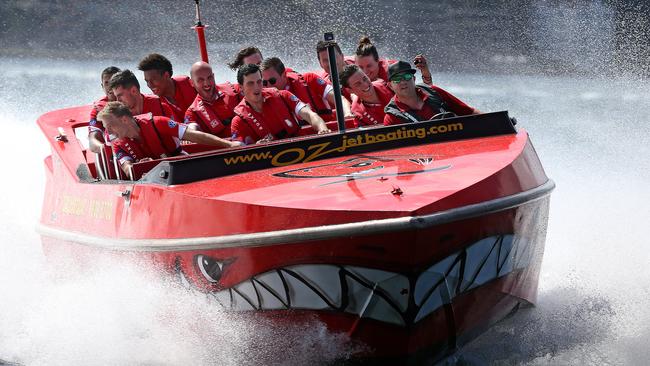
point(591, 134)
point(113, 312)
point(593, 288)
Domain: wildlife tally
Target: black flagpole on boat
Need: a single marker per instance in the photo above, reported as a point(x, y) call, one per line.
point(200, 33)
point(334, 74)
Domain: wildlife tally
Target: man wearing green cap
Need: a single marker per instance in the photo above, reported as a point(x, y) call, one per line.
point(415, 103)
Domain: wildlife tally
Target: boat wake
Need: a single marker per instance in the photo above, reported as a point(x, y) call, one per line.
point(117, 312)
point(592, 304)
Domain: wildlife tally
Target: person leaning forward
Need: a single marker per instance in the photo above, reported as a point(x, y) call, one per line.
point(126, 88)
point(146, 137)
point(267, 113)
point(414, 103)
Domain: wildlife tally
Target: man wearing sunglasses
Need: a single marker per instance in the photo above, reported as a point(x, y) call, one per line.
point(213, 108)
point(414, 103)
point(267, 114)
point(308, 87)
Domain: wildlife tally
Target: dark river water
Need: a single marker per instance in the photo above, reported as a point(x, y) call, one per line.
point(590, 130)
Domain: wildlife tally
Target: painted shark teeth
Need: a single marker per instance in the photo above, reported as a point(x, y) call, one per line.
point(373, 293)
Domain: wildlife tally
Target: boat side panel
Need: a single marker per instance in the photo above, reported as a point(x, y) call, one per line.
point(387, 284)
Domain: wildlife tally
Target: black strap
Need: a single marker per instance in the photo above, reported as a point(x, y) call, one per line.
point(433, 100)
point(290, 114)
point(311, 97)
point(162, 142)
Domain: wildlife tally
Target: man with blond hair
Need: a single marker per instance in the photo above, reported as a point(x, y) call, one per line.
point(146, 137)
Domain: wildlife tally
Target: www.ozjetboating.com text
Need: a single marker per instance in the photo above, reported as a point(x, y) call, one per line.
point(301, 155)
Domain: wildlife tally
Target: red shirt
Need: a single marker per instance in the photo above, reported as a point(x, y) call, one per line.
point(94, 124)
point(383, 68)
point(369, 114)
point(349, 60)
point(159, 137)
point(278, 117)
point(153, 104)
point(426, 113)
point(325, 75)
point(216, 116)
point(150, 104)
point(184, 94)
point(312, 90)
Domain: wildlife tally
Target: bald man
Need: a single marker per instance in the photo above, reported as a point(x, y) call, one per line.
point(212, 109)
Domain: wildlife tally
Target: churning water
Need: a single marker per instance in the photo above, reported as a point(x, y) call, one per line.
point(591, 133)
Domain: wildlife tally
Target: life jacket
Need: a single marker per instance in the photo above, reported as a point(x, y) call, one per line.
point(94, 124)
point(433, 100)
point(207, 117)
point(187, 91)
point(300, 88)
point(152, 143)
point(383, 68)
point(370, 114)
point(155, 105)
point(276, 103)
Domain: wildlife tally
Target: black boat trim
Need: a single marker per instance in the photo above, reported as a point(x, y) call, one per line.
point(317, 147)
point(289, 236)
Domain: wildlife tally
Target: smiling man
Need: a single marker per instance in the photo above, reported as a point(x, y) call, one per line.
point(213, 108)
point(414, 103)
point(177, 91)
point(372, 96)
point(267, 114)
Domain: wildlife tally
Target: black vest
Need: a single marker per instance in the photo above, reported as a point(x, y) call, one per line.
point(433, 100)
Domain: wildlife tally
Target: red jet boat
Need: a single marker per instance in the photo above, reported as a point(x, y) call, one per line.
point(412, 239)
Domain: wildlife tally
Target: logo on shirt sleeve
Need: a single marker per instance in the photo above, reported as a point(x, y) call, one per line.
point(172, 124)
point(320, 81)
point(93, 122)
point(294, 98)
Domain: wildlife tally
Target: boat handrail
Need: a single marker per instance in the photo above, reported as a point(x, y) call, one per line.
point(100, 160)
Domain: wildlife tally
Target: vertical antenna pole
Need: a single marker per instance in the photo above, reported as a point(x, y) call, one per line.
point(200, 33)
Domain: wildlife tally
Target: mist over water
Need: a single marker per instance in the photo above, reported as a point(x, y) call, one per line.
point(590, 131)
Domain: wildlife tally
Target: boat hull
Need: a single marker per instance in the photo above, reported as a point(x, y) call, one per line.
point(409, 250)
point(411, 294)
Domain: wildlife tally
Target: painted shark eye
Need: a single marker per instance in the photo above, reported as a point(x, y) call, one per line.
point(361, 164)
point(209, 267)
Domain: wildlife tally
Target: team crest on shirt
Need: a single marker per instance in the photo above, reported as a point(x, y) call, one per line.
point(93, 122)
point(320, 81)
point(214, 123)
point(294, 98)
point(172, 124)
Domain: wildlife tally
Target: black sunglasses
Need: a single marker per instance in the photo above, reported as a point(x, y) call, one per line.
point(271, 81)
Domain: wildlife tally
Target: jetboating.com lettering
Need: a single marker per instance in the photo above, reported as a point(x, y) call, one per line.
point(301, 155)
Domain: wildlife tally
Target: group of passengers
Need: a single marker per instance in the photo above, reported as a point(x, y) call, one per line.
point(270, 101)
